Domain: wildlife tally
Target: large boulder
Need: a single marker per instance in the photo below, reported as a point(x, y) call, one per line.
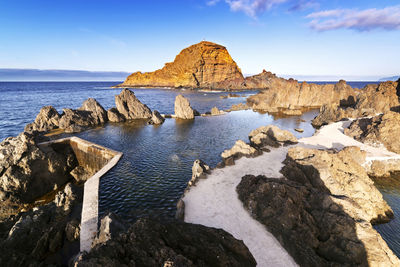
point(322, 210)
point(156, 118)
point(271, 135)
point(239, 149)
point(47, 119)
point(28, 172)
point(203, 65)
point(382, 129)
point(98, 113)
point(73, 121)
point(183, 110)
point(130, 107)
point(114, 115)
point(151, 243)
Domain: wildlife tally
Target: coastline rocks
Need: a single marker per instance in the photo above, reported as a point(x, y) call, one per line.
point(151, 243)
point(381, 129)
point(203, 65)
point(240, 106)
point(215, 111)
point(238, 150)
point(322, 211)
point(110, 227)
point(98, 113)
point(114, 115)
point(271, 135)
point(292, 98)
point(73, 121)
point(199, 170)
point(27, 172)
point(47, 119)
point(183, 110)
point(130, 107)
point(156, 118)
point(45, 235)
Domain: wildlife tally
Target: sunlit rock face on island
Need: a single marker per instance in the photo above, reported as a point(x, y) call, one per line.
point(203, 65)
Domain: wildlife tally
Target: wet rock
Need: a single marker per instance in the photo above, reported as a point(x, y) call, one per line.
point(240, 106)
point(156, 118)
point(199, 170)
point(28, 172)
point(299, 130)
point(183, 110)
point(114, 115)
point(150, 243)
point(130, 107)
point(238, 150)
point(47, 119)
point(381, 129)
point(322, 211)
point(110, 227)
point(271, 135)
point(98, 113)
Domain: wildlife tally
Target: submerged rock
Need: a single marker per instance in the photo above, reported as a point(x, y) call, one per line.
point(130, 107)
point(322, 211)
point(47, 119)
point(150, 243)
point(156, 118)
point(183, 110)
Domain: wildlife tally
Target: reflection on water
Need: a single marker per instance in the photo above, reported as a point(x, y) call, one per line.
point(390, 232)
point(157, 161)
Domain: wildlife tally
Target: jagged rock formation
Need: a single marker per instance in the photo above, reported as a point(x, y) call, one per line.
point(28, 172)
point(151, 243)
point(203, 65)
point(199, 170)
point(271, 135)
point(292, 98)
point(130, 107)
point(371, 100)
point(379, 130)
point(98, 113)
point(215, 111)
point(183, 110)
point(239, 149)
point(156, 118)
point(47, 119)
point(114, 115)
point(322, 210)
point(45, 236)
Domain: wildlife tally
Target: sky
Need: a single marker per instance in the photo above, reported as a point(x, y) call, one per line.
point(318, 39)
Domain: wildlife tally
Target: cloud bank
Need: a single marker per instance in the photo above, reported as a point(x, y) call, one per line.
point(361, 20)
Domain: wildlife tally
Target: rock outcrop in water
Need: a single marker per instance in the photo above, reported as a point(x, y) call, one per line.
point(28, 172)
point(371, 100)
point(203, 65)
point(47, 119)
point(130, 107)
point(156, 118)
point(151, 243)
point(321, 212)
point(183, 110)
point(292, 98)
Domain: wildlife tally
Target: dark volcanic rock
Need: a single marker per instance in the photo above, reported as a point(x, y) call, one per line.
point(130, 107)
point(110, 227)
point(321, 212)
point(46, 235)
point(47, 119)
point(28, 172)
point(150, 243)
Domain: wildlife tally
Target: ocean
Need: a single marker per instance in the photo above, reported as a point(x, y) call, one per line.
point(156, 166)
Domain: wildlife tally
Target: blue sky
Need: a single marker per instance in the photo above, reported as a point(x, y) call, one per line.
point(328, 39)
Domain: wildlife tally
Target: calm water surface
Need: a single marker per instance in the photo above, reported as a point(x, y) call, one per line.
point(157, 161)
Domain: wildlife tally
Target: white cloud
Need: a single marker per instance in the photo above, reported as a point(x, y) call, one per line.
point(361, 20)
point(251, 8)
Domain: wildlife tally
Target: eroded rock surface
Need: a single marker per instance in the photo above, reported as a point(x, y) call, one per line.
point(47, 119)
point(239, 149)
point(150, 243)
point(379, 130)
point(98, 113)
point(321, 212)
point(130, 107)
point(114, 115)
point(183, 110)
point(156, 118)
point(271, 135)
point(203, 65)
point(199, 170)
point(28, 172)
